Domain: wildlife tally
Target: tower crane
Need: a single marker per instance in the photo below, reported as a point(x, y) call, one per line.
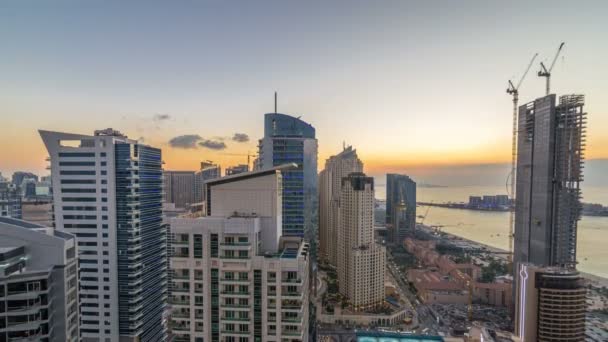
point(514, 91)
point(547, 73)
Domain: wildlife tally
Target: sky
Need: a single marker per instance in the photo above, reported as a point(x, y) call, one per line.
point(416, 86)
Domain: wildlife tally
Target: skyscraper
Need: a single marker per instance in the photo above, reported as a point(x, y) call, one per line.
point(291, 140)
point(330, 189)
point(234, 277)
point(38, 283)
point(179, 188)
point(361, 261)
point(551, 304)
point(549, 171)
point(107, 190)
point(400, 206)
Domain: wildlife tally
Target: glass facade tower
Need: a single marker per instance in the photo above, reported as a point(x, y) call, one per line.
point(290, 140)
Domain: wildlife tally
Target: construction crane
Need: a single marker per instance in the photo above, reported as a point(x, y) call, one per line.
point(423, 217)
point(547, 73)
point(514, 91)
point(248, 154)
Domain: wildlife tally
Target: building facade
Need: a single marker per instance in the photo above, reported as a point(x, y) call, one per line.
point(290, 140)
point(38, 283)
point(361, 261)
point(107, 191)
point(208, 171)
point(330, 188)
point(551, 304)
point(400, 207)
point(179, 188)
point(549, 171)
point(233, 170)
point(10, 200)
point(234, 278)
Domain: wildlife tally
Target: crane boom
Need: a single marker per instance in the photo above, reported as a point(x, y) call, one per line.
point(514, 91)
point(544, 72)
point(527, 70)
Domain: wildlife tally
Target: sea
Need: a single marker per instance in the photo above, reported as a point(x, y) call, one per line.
point(491, 228)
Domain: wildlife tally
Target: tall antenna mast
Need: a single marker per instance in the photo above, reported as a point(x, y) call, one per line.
point(275, 102)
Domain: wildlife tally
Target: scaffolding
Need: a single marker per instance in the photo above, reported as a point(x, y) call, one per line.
point(568, 174)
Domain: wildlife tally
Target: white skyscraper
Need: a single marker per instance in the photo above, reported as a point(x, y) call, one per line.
point(361, 261)
point(330, 188)
point(107, 191)
point(234, 278)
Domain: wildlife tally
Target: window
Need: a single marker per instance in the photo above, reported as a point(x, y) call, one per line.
point(77, 173)
point(76, 154)
point(77, 181)
point(198, 246)
point(78, 163)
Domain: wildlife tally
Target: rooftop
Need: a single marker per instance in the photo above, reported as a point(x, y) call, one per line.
point(251, 174)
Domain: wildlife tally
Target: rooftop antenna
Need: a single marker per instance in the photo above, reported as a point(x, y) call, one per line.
point(275, 102)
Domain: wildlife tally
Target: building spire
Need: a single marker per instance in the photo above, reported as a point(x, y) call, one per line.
point(275, 102)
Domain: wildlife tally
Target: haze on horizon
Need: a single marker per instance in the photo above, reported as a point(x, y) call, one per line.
point(416, 87)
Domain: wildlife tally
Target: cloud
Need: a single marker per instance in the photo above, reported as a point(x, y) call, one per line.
point(240, 137)
point(213, 144)
point(161, 117)
point(185, 141)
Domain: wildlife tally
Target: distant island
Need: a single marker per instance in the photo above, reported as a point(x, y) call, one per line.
point(504, 203)
point(425, 185)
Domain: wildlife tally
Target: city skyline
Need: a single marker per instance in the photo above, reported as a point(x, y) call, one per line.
point(378, 66)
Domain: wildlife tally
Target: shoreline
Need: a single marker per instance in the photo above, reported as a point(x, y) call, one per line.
point(501, 253)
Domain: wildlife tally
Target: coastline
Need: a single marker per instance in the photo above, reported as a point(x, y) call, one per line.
point(502, 253)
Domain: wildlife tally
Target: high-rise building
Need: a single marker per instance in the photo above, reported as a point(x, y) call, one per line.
point(107, 190)
point(234, 278)
point(290, 140)
point(361, 261)
point(38, 283)
point(179, 188)
point(233, 170)
point(28, 188)
point(19, 176)
point(551, 304)
point(330, 188)
point(549, 171)
point(10, 200)
point(208, 171)
point(400, 207)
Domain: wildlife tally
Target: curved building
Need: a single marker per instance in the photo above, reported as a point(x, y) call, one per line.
point(551, 305)
point(288, 139)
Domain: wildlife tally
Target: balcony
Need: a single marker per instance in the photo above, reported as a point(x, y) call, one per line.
point(292, 281)
point(292, 333)
point(234, 257)
point(288, 320)
point(235, 306)
point(236, 293)
point(233, 332)
point(175, 301)
point(235, 244)
point(235, 319)
point(180, 315)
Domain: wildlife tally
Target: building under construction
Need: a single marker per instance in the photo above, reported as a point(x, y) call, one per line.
point(551, 143)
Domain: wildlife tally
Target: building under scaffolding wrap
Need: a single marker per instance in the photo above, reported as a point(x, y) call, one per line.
point(550, 153)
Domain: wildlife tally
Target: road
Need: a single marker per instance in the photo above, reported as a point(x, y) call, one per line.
point(423, 314)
